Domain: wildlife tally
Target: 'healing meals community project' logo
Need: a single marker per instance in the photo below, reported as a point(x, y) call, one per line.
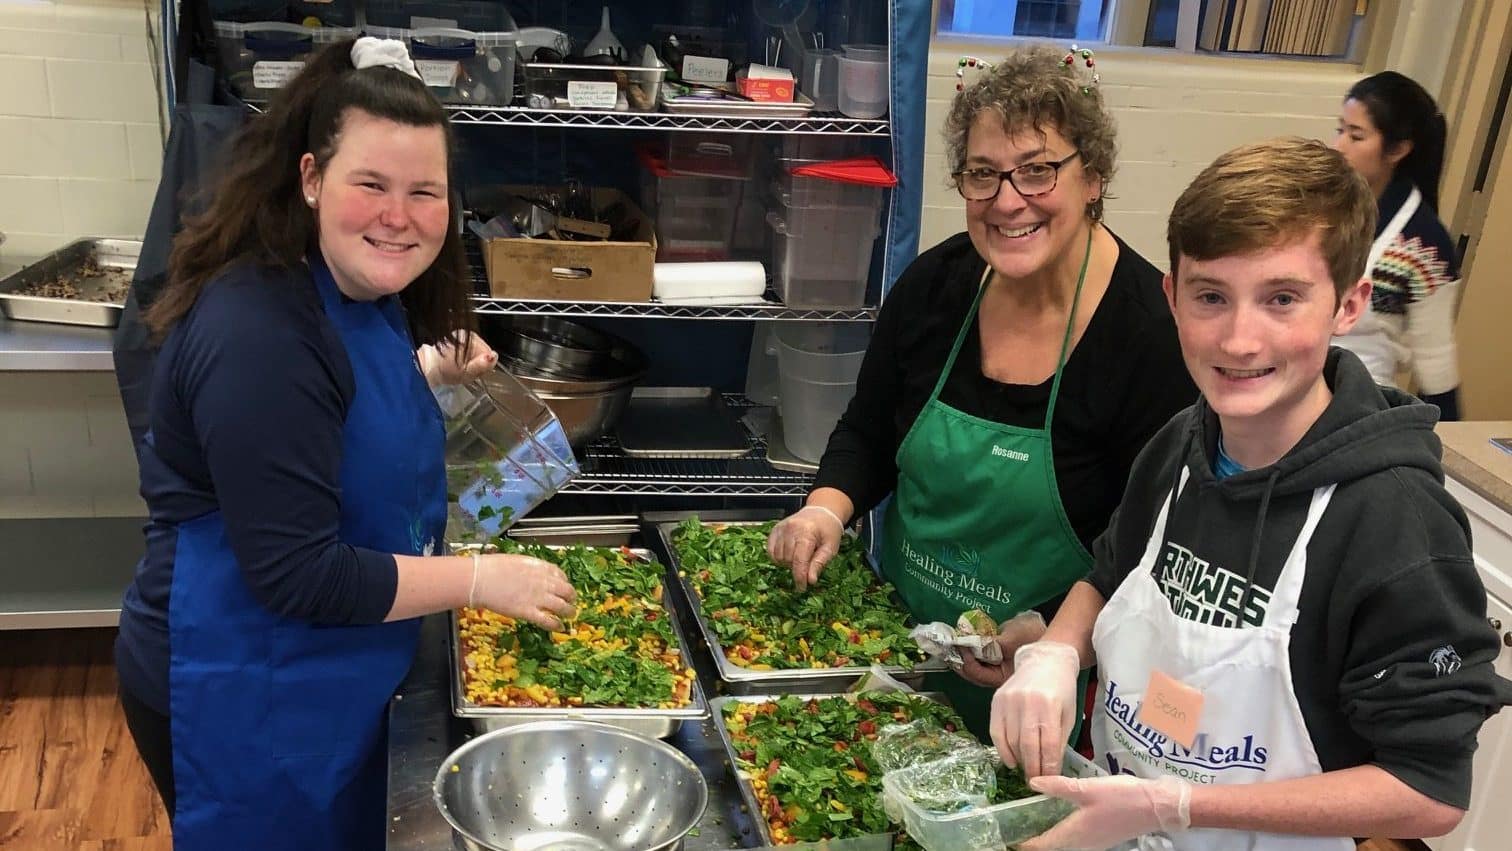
point(955, 578)
point(1199, 764)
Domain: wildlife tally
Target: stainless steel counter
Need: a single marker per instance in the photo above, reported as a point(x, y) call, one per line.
point(423, 731)
point(47, 346)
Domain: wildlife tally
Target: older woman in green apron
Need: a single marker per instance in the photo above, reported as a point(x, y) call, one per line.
point(1014, 373)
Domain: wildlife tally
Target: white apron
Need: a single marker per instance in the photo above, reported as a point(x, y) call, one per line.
point(1251, 727)
point(1372, 338)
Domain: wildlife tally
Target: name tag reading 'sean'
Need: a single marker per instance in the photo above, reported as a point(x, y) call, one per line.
point(1172, 708)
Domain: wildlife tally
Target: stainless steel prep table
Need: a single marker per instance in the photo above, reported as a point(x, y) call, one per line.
point(423, 731)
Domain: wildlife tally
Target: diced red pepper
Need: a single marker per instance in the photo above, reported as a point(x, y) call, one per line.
point(748, 755)
point(867, 706)
point(867, 727)
point(771, 769)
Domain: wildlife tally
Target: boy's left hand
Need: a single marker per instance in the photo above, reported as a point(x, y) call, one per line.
point(1111, 810)
point(441, 364)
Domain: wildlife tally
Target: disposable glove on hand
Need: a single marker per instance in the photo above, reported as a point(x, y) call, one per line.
point(524, 588)
point(1022, 629)
point(1111, 810)
point(806, 541)
point(1033, 711)
point(456, 362)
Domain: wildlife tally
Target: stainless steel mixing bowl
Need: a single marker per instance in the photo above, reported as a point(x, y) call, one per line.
point(571, 785)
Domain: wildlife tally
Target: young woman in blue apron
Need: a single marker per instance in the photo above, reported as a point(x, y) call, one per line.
point(293, 467)
point(1000, 400)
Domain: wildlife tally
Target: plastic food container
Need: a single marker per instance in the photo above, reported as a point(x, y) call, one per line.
point(863, 86)
point(695, 213)
point(796, 190)
point(716, 154)
point(461, 66)
point(616, 88)
point(259, 58)
point(506, 452)
point(982, 828)
point(817, 365)
point(821, 255)
point(474, 15)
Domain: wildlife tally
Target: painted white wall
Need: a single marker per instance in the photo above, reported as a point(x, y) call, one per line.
point(1175, 113)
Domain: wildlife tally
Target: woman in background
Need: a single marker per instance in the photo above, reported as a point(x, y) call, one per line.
point(1392, 133)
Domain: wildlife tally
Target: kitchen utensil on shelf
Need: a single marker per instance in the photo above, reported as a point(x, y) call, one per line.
point(575, 783)
point(604, 42)
point(556, 346)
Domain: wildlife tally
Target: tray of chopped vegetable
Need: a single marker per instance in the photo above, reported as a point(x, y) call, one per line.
point(622, 660)
point(766, 635)
point(805, 764)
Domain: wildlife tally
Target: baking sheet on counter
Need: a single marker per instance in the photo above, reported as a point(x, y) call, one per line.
point(739, 680)
point(98, 271)
point(656, 722)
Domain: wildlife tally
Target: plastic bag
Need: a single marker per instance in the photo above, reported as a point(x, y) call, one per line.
point(937, 771)
point(974, 632)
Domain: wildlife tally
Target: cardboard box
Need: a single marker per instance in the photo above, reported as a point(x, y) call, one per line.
point(765, 83)
point(561, 270)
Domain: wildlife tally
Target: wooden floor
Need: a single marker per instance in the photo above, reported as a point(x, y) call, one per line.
point(70, 777)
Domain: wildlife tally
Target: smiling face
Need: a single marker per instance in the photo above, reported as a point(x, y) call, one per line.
point(1255, 330)
point(381, 204)
point(1026, 237)
point(1365, 147)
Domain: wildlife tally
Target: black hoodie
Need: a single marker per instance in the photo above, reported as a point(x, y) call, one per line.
point(1391, 653)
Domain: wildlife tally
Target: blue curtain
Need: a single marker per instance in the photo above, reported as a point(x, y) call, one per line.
point(909, 37)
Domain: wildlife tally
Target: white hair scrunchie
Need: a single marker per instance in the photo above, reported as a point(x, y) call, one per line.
point(369, 52)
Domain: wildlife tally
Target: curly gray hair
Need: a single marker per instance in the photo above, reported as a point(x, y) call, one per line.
point(1033, 88)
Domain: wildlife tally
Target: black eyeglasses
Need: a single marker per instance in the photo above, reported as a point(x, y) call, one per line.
point(1029, 179)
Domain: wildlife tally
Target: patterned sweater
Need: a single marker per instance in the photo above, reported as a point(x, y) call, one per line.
point(1410, 324)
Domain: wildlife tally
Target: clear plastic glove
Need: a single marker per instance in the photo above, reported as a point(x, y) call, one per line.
point(805, 541)
point(524, 588)
point(1033, 711)
point(1111, 810)
point(1022, 629)
point(454, 362)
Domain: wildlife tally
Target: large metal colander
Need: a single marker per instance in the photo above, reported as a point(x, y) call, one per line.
point(570, 785)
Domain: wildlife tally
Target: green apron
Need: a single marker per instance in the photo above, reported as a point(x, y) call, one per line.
point(976, 520)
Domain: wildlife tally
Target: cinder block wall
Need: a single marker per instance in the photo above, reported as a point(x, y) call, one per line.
point(80, 152)
point(1174, 114)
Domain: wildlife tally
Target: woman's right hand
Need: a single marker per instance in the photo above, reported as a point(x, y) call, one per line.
point(524, 588)
point(806, 541)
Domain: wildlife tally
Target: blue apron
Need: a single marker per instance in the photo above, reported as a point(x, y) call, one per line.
point(279, 738)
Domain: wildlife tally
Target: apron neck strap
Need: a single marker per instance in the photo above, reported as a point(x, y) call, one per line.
point(1060, 361)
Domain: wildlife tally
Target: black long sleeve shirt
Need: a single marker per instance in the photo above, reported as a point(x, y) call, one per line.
point(1123, 381)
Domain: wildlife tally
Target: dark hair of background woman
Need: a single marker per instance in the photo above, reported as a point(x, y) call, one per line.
point(257, 212)
point(1404, 112)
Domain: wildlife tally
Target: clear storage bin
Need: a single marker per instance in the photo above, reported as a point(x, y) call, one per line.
point(821, 256)
point(260, 58)
point(695, 214)
point(506, 452)
point(796, 190)
point(982, 828)
point(558, 86)
point(474, 15)
point(715, 154)
point(461, 66)
point(817, 365)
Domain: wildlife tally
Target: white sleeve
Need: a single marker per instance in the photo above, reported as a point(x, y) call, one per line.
point(1430, 337)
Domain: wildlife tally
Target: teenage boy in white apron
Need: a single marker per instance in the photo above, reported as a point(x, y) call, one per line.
point(1290, 634)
